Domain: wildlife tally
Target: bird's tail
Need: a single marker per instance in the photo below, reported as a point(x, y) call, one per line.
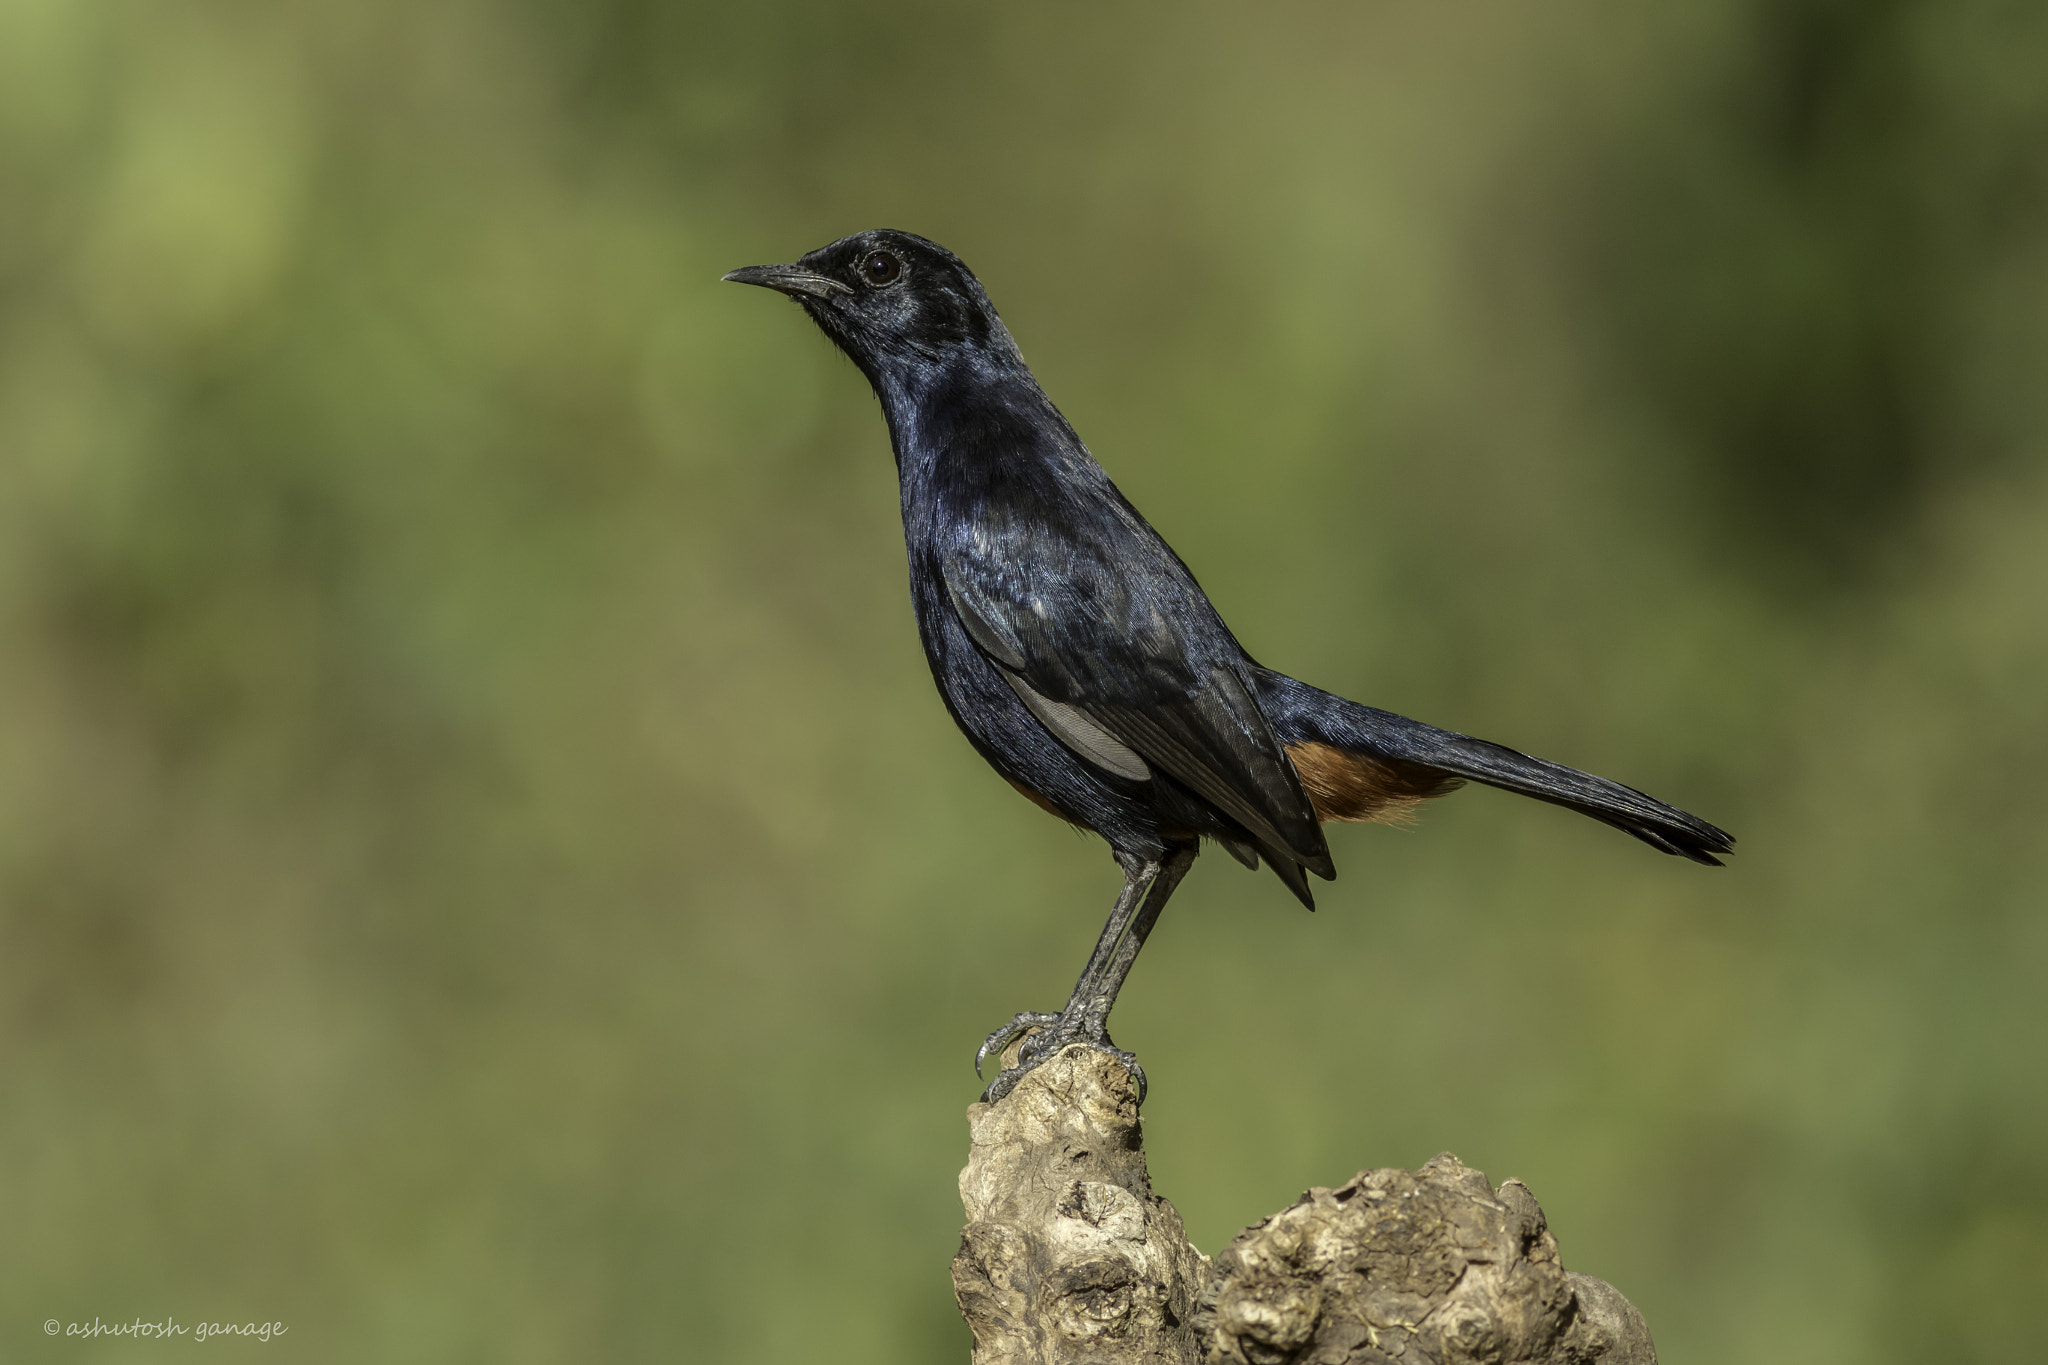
point(1361, 763)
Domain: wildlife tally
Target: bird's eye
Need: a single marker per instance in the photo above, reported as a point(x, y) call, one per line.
point(879, 267)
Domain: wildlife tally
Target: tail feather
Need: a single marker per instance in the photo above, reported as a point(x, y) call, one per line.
point(1304, 715)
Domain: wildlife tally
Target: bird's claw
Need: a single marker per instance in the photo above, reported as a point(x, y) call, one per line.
point(993, 1045)
point(1049, 1043)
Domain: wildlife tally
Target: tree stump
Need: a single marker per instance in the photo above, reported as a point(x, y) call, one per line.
point(1069, 1257)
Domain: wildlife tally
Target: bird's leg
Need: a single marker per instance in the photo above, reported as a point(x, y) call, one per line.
point(1147, 886)
point(1095, 994)
point(1137, 875)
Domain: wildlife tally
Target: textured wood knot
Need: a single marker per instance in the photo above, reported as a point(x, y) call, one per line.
point(1111, 1209)
point(1094, 1299)
point(1470, 1334)
point(1270, 1319)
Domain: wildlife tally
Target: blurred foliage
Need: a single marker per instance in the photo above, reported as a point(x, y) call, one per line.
point(484, 874)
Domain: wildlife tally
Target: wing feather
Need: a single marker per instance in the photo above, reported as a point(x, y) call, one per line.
point(1133, 670)
point(1072, 727)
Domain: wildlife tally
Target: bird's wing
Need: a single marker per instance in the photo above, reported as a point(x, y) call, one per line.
point(1116, 652)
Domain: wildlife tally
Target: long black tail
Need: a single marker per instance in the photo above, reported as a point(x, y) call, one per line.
point(1304, 715)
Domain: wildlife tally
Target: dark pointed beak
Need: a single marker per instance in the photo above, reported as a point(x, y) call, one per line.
point(787, 279)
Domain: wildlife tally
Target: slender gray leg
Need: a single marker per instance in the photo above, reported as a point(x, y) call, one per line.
point(1137, 875)
point(1100, 998)
point(1086, 1017)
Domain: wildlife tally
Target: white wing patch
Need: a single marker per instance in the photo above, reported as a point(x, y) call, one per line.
point(1068, 724)
point(1073, 729)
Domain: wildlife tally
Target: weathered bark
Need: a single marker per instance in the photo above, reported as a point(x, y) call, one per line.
point(1068, 1256)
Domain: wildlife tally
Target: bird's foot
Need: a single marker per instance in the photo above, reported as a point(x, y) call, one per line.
point(993, 1045)
point(1051, 1034)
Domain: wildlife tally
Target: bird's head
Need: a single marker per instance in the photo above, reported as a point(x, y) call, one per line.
point(894, 302)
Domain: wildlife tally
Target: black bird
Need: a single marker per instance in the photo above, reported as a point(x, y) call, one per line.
point(1083, 661)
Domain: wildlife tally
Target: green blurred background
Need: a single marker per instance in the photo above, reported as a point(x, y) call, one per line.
point(486, 876)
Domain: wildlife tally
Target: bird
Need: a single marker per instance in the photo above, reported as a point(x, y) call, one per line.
point(1084, 663)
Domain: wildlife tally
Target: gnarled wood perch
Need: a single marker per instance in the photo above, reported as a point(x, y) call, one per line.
point(1068, 1258)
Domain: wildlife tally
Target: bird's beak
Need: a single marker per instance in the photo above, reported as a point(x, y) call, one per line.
point(787, 279)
